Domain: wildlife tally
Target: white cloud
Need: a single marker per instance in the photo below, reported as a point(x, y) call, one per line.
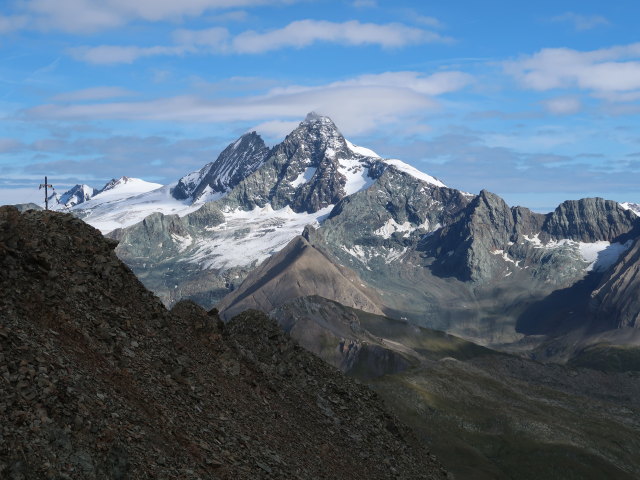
point(562, 105)
point(297, 34)
point(615, 69)
point(112, 54)
point(303, 33)
point(215, 38)
point(88, 16)
point(275, 128)
point(358, 105)
point(94, 93)
point(435, 84)
point(426, 20)
point(582, 22)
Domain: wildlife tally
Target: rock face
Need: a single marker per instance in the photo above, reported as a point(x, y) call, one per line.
point(101, 381)
point(234, 164)
point(616, 301)
point(589, 220)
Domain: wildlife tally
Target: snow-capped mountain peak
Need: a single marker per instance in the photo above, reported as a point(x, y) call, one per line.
point(76, 195)
point(124, 186)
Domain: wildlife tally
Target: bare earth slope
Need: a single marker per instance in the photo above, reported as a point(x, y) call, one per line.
point(299, 269)
point(99, 380)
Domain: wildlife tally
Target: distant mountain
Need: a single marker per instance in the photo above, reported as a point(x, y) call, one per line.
point(76, 195)
point(235, 163)
point(488, 274)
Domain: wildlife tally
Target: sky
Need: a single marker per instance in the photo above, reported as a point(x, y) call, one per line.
point(538, 102)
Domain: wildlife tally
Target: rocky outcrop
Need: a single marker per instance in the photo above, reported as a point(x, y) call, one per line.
point(589, 220)
point(100, 381)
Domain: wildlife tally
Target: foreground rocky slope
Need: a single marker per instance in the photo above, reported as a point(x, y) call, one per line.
point(99, 380)
point(487, 415)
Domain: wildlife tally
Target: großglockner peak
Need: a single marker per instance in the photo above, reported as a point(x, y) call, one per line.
point(206, 253)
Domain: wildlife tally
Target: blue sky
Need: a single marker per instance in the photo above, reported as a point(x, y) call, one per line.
point(536, 101)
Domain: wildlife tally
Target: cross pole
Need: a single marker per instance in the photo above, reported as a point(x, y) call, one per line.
point(46, 186)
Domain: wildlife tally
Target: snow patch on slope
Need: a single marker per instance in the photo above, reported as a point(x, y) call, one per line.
point(123, 207)
point(250, 237)
point(304, 177)
point(357, 175)
point(414, 172)
point(599, 255)
point(361, 150)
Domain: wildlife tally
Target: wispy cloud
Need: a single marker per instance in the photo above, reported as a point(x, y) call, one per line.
point(112, 54)
point(608, 70)
point(303, 33)
point(297, 34)
point(359, 104)
point(90, 16)
point(582, 22)
point(562, 105)
point(12, 23)
point(93, 93)
point(10, 145)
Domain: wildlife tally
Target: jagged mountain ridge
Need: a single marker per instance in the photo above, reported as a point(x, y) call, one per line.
point(234, 164)
point(484, 276)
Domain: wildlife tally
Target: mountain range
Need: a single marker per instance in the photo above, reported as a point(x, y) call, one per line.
point(318, 215)
point(508, 340)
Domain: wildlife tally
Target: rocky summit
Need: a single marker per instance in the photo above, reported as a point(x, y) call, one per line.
point(100, 381)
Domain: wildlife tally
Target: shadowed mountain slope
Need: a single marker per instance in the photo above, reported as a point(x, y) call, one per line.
point(487, 415)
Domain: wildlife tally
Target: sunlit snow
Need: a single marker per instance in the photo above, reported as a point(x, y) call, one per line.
point(361, 150)
point(414, 172)
point(251, 236)
point(304, 177)
point(126, 205)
